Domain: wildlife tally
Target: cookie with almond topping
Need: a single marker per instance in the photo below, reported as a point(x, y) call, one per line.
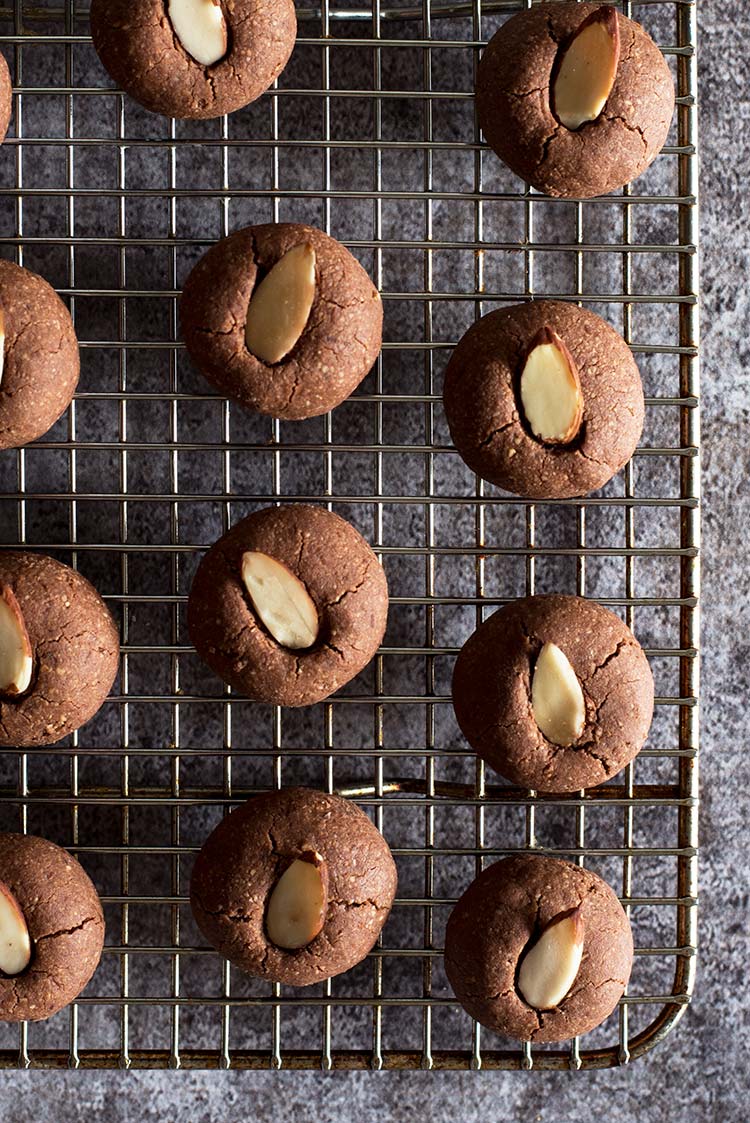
point(51, 928)
point(293, 886)
point(194, 58)
point(282, 319)
point(577, 99)
point(554, 692)
point(59, 650)
point(544, 399)
point(288, 605)
point(538, 949)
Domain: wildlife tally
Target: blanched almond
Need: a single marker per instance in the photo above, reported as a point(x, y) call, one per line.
point(585, 74)
point(551, 394)
point(16, 661)
point(15, 943)
point(280, 305)
point(297, 905)
point(281, 600)
point(550, 966)
point(556, 697)
point(201, 28)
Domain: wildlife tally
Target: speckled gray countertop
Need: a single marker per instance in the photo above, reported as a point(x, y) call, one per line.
point(701, 1073)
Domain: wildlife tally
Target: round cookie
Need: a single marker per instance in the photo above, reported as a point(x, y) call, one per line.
point(340, 338)
point(338, 572)
point(516, 105)
point(502, 915)
point(40, 356)
point(486, 415)
point(240, 865)
point(517, 108)
point(492, 692)
point(142, 50)
point(73, 650)
point(6, 98)
point(63, 915)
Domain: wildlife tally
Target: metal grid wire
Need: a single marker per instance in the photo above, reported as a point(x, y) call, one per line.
point(369, 134)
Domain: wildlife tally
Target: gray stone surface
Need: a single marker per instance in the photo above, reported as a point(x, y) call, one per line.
point(701, 1072)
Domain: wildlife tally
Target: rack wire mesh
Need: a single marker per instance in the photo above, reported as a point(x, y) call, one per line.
point(370, 134)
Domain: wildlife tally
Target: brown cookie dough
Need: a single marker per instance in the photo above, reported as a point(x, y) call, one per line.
point(63, 915)
point(340, 574)
point(513, 104)
point(74, 649)
point(487, 419)
point(507, 908)
point(140, 48)
point(492, 692)
point(338, 345)
point(40, 356)
point(240, 865)
point(6, 98)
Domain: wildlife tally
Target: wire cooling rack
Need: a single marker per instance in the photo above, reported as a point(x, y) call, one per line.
point(370, 134)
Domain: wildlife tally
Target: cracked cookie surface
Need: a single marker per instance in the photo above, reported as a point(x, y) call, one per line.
point(342, 576)
point(337, 348)
point(64, 917)
point(513, 105)
point(75, 648)
point(504, 909)
point(41, 361)
point(241, 861)
point(482, 402)
point(492, 692)
point(138, 46)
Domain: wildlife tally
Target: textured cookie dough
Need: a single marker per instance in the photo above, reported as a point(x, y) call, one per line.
point(75, 648)
point(485, 414)
point(40, 356)
point(342, 576)
point(64, 917)
point(137, 44)
point(505, 909)
point(242, 860)
point(492, 692)
point(513, 105)
point(6, 98)
point(337, 348)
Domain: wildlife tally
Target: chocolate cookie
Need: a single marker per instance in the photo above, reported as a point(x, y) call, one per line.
point(544, 399)
point(51, 928)
point(538, 949)
point(39, 362)
point(289, 605)
point(554, 692)
point(282, 319)
point(6, 98)
point(59, 650)
point(577, 99)
point(293, 886)
point(194, 58)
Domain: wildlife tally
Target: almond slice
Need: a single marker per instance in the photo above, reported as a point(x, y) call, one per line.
point(551, 394)
point(16, 661)
point(298, 902)
point(15, 943)
point(2, 343)
point(280, 305)
point(281, 600)
point(585, 73)
point(550, 966)
point(556, 697)
point(201, 28)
